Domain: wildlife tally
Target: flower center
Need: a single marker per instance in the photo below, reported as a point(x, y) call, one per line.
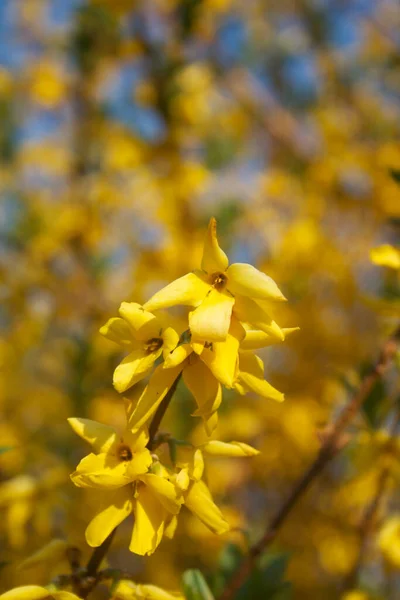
point(219, 281)
point(152, 345)
point(124, 453)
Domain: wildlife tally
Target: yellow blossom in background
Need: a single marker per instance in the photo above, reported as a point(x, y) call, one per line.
point(386, 256)
point(356, 595)
point(389, 540)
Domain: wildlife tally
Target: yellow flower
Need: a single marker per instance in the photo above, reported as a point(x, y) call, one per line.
point(386, 256)
point(128, 590)
point(255, 339)
point(121, 469)
point(35, 592)
point(250, 377)
point(218, 289)
point(389, 540)
point(143, 335)
point(356, 595)
point(197, 496)
point(119, 460)
point(204, 368)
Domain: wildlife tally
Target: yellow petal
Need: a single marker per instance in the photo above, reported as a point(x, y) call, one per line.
point(198, 347)
point(386, 256)
point(63, 595)
point(190, 459)
point(150, 517)
point(117, 330)
point(222, 359)
point(259, 339)
point(189, 290)
point(214, 259)
point(139, 464)
point(182, 479)
point(164, 490)
point(170, 529)
point(204, 387)
point(136, 440)
point(100, 437)
point(136, 366)
point(26, 592)
point(177, 356)
point(151, 592)
point(144, 324)
point(198, 500)
point(251, 374)
point(170, 339)
point(217, 448)
point(211, 320)
point(152, 395)
point(101, 471)
point(249, 311)
point(246, 280)
point(115, 507)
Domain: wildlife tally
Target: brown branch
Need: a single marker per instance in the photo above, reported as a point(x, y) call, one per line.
point(333, 441)
point(158, 417)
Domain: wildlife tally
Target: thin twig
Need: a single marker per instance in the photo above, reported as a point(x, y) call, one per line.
point(333, 441)
point(158, 417)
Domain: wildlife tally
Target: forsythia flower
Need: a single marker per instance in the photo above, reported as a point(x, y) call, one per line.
point(217, 290)
point(356, 595)
point(128, 590)
point(230, 320)
point(121, 469)
point(386, 256)
point(204, 368)
point(35, 592)
point(389, 540)
point(144, 336)
point(198, 499)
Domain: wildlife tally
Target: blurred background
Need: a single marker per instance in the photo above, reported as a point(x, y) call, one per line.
point(125, 125)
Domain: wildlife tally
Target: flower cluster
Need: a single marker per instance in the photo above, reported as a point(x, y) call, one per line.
point(229, 318)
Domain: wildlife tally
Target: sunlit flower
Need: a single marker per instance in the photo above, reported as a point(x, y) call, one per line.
point(36, 592)
point(121, 469)
point(128, 590)
point(204, 368)
point(389, 540)
point(144, 336)
point(218, 289)
point(386, 256)
point(197, 496)
point(250, 377)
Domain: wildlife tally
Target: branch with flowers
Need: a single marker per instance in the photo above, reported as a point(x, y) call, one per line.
point(229, 319)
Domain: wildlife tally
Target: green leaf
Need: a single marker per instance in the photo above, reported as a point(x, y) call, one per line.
point(195, 586)
point(395, 175)
point(4, 449)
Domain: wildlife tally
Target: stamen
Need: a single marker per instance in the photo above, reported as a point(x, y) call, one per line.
point(124, 453)
point(219, 281)
point(153, 345)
